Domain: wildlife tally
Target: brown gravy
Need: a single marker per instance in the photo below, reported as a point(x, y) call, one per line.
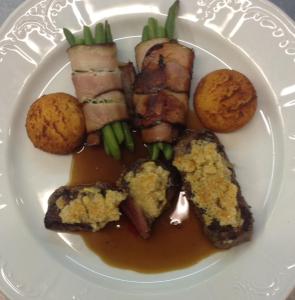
point(170, 247)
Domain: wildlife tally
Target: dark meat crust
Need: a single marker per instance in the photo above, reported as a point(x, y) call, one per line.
point(129, 207)
point(221, 236)
point(52, 220)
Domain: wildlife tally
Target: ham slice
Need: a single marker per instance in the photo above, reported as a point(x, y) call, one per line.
point(88, 85)
point(165, 106)
point(104, 109)
point(102, 57)
point(142, 48)
point(162, 132)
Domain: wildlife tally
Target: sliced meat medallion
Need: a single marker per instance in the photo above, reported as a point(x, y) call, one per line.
point(104, 109)
point(88, 85)
point(102, 57)
point(164, 106)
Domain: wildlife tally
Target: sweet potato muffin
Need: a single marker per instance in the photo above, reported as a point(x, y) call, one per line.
point(225, 100)
point(55, 123)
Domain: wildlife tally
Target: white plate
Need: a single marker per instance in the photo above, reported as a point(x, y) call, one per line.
point(252, 36)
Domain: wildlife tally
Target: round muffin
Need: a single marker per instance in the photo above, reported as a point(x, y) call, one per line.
point(55, 123)
point(225, 100)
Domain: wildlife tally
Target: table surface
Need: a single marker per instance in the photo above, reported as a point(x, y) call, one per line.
point(7, 6)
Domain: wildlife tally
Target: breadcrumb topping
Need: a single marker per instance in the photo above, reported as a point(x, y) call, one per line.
point(209, 175)
point(91, 207)
point(147, 187)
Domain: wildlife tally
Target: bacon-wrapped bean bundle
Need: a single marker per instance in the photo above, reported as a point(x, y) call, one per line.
point(161, 89)
point(98, 83)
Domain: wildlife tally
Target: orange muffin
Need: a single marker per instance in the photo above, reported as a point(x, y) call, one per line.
point(225, 100)
point(55, 123)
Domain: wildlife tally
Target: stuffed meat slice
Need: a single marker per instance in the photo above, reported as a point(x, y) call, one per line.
point(83, 207)
point(151, 186)
point(210, 183)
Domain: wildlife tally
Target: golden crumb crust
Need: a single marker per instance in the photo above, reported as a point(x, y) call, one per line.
point(55, 123)
point(225, 100)
point(210, 179)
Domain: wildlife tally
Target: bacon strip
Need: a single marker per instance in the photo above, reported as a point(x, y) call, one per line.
point(102, 57)
point(165, 106)
point(166, 53)
point(142, 48)
point(166, 66)
point(88, 85)
point(104, 109)
point(162, 132)
point(128, 78)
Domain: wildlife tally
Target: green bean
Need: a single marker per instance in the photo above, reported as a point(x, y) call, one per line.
point(145, 33)
point(170, 21)
point(79, 40)
point(118, 131)
point(128, 137)
point(69, 36)
point(108, 32)
point(161, 31)
point(168, 151)
point(110, 139)
point(152, 26)
point(88, 38)
point(99, 34)
point(161, 146)
point(106, 148)
point(155, 151)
